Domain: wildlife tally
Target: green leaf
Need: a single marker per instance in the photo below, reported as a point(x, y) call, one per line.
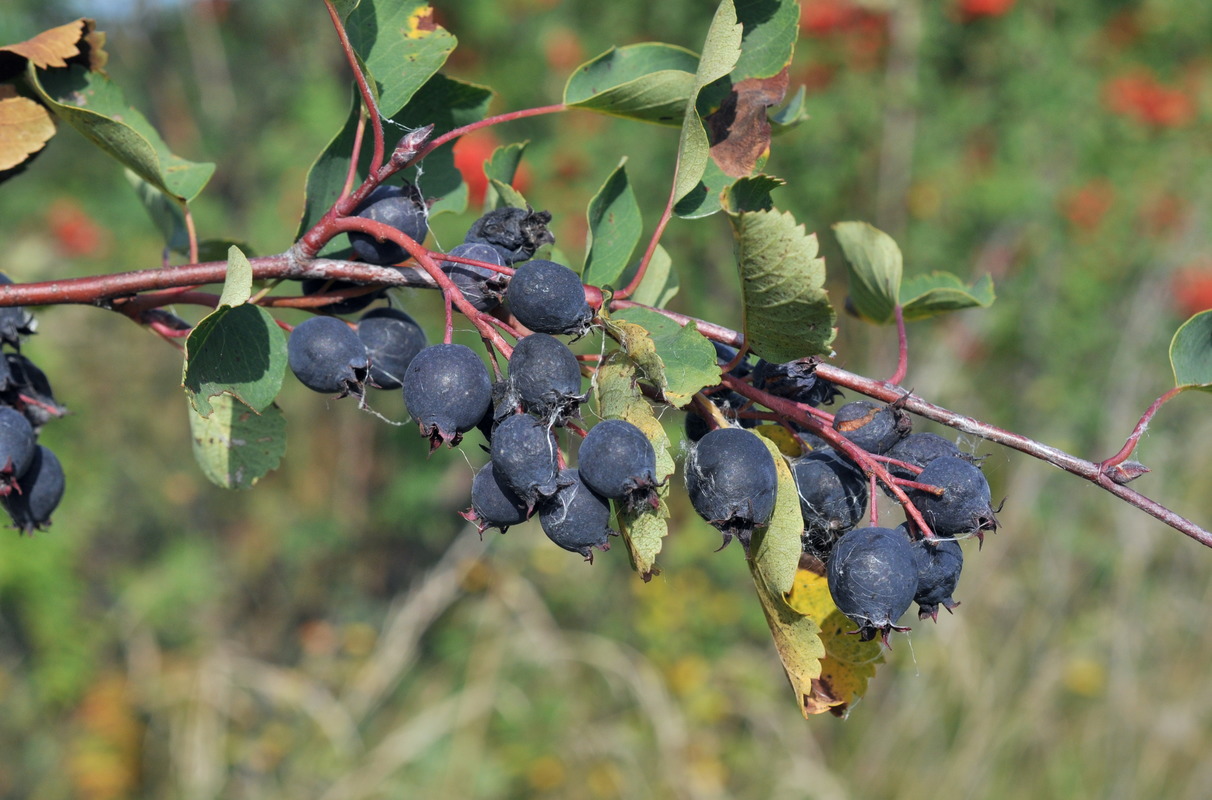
point(618, 397)
point(165, 213)
point(508, 196)
point(236, 447)
point(752, 194)
point(649, 82)
point(771, 29)
point(236, 350)
point(237, 286)
point(787, 310)
point(678, 360)
point(721, 52)
point(925, 296)
point(1191, 352)
point(614, 230)
point(445, 102)
point(774, 551)
point(660, 281)
point(502, 167)
point(873, 262)
point(400, 45)
point(326, 177)
point(791, 114)
point(93, 105)
point(703, 199)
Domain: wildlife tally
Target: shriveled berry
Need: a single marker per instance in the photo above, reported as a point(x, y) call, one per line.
point(618, 461)
point(447, 390)
point(576, 518)
point(493, 503)
point(833, 497)
point(795, 380)
point(939, 562)
point(399, 207)
point(392, 340)
point(482, 287)
point(15, 321)
point(545, 378)
point(526, 457)
point(516, 233)
point(965, 505)
point(37, 493)
point(732, 482)
point(873, 578)
point(29, 391)
point(327, 356)
point(548, 298)
point(874, 428)
point(18, 444)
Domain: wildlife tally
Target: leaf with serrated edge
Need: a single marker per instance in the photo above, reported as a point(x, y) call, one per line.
point(618, 397)
point(614, 229)
point(660, 281)
point(873, 262)
point(787, 310)
point(679, 360)
point(236, 447)
point(1191, 352)
point(26, 127)
point(924, 296)
point(849, 663)
point(509, 195)
point(796, 638)
point(503, 167)
point(238, 351)
point(94, 106)
point(52, 48)
point(721, 51)
point(649, 82)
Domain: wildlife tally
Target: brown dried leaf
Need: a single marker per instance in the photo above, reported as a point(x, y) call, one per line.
point(25, 127)
point(54, 47)
point(739, 129)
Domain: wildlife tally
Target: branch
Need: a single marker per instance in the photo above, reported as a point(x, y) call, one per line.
point(888, 393)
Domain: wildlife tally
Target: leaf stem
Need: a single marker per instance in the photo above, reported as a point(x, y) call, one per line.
point(1139, 430)
point(368, 98)
point(902, 347)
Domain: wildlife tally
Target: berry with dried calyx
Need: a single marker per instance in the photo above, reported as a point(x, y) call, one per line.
point(874, 428)
point(482, 287)
point(545, 377)
point(939, 562)
point(493, 503)
point(965, 505)
point(732, 482)
point(447, 390)
point(872, 579)
point(526, 457)
point(327, 356)
point(548, 297)
point(577, 518)
point(618, 461)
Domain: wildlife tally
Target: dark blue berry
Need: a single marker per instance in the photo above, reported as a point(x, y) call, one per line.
point(399, 207)
point(873, 578)
point(576, 518)
point(392, 339)
point(732, 482)
point(327, 356)
point(447, 391)
point(548, 297)
point(618, 461)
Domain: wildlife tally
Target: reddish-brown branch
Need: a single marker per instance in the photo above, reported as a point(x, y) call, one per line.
point(368, 97)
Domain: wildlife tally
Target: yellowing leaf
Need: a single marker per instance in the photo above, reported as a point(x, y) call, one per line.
point(787, 442)
point(618, 397)
point(847, 662)
point(797, 640)
point(53, 47)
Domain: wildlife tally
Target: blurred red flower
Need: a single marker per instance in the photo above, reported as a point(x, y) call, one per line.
point(975, 9)
point(1140, 96)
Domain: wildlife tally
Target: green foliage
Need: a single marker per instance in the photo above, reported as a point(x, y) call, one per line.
point(1191, 353)
point(614, 230)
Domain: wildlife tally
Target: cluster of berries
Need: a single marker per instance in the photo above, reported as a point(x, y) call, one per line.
point(31, 477)
point(874, 573)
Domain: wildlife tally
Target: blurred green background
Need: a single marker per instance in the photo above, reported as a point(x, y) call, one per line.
point(339, 632)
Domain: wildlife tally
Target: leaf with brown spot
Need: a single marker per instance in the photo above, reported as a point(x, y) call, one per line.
point(25, 128)
point(739, 129)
